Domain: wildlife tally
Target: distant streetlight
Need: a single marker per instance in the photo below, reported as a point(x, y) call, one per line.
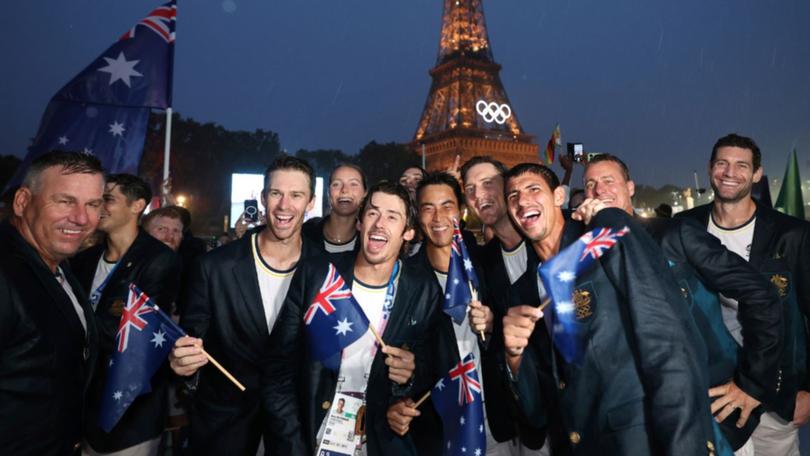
point(181, 200)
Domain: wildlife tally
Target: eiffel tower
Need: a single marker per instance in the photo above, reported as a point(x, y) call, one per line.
point(466, 81)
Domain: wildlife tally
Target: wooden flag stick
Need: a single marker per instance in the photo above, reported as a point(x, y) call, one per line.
point(224, 371)
point(545, 303)
point(376, 336)
point(422, 399)
point(474, 295)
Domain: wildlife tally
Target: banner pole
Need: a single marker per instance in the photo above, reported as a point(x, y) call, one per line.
point(167, 151)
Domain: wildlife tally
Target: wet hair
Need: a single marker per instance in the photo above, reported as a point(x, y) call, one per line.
point(132, 187)
point(287, 162)
point(362, 173)
point(479, 159)
point(534, 168)
point(743, 142)
point(70, 162)
point(165, 211)
point(396, 189)
point(441, 178)
point(610, 158)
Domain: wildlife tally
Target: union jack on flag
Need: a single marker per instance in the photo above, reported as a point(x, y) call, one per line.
point(132, 317)
point(334, 320)
point(333, 288)
point(462, 415)
point(597, 242)
point(161, 21)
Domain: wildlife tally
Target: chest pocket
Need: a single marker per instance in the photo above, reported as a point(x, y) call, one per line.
point(584, 299)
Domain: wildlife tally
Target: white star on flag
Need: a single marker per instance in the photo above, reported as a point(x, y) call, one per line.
point(478, 452)
point(440, 385)
point(566, 276)
point(461, 420)
point(481, 429)
point(447, 296)
point(159, 338)
point(468, 264)
point(111, 361)
point(565, 307)
point(118, 395)
point(455, 281)
point(117, 128)
point(448, 444)
point(63, 140)
point(121, 69)
point(87, 151)
point(463, 449)
point(343, 327)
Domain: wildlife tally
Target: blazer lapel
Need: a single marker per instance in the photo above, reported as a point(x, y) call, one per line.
point(761, 242)
point(248, 282)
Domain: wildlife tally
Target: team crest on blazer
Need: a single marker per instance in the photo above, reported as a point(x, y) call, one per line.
point(582, 304)
point(781, 284)
point(117, 307)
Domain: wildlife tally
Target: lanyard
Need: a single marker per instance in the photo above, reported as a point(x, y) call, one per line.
point(95, 296)
point(388, 305)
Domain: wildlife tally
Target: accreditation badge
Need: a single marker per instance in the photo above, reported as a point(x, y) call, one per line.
point(343, 428)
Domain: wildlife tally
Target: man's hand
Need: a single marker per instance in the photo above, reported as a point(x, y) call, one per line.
point(518, 326)
point(801, 415)
point(187, 356)
point(731, 397)
point(481, 317)
point(587, 210)
point(401, 364)
point(400, 415)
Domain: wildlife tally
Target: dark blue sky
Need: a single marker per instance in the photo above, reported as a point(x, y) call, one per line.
point(653, 81)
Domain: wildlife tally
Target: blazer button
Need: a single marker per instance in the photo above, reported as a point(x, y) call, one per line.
point(710, 446)
point(574, 437)
point(326, 405)
point(86, 353)
point(562, 385)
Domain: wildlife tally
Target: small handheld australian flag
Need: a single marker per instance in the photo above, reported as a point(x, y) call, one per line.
point(559, 275)
point(145, 337)
point(457, 398)
point(461, 279)
point(334, 320)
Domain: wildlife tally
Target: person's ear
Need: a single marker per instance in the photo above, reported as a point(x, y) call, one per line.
point(22, 198)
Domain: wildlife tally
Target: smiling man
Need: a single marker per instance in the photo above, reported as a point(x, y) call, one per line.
point(399, 299)
point(740, 376)
point(48, 340)
point(777, 246)
point(128, 255)
point(634, 391)
point(235, 294)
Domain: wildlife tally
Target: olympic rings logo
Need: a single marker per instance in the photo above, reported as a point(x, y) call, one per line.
point(493, 112)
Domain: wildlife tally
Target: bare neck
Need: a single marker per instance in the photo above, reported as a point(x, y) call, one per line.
point(506, 233)
point(550, 245)
point(729, 214)
point(281, 254)
point(119, 241)
point(373, 274)
point(340, 228)
point(439, 257)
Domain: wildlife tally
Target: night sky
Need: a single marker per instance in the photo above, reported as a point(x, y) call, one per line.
point(655, 82)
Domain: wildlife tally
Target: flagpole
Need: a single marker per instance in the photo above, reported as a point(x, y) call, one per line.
point(167, 150)
point(423, 156)
point(423, 399)
point(224, 371)
point(474, 296)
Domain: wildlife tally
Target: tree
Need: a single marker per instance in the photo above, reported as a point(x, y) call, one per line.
point(385, 161)
point(8, 165)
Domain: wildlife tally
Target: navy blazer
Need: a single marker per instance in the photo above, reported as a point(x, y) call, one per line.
point(155, 269)
point(639, 389)
point(779, 250)
point(46, 357)
point(299, 389)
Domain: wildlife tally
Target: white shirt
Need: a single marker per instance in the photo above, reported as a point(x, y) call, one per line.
point(337, 248)
point(103, 270)
point(737, 240)
point(515, 261)
point(273, 284)
point(356, 360)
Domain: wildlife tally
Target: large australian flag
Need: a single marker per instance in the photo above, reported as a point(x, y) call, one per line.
point(457, 398)
point(559, 276)
point(145, 337)
point(334, 320)
point(461, 279)
point(104, 110)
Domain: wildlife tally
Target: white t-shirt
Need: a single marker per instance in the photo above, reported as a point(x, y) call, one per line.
point(737, 240)
point(515, 261)
point(273, 284)
point(103, 270)
point(356, 360)
point(337, 248)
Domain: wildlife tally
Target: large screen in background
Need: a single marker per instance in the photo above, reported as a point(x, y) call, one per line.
point(249, 186)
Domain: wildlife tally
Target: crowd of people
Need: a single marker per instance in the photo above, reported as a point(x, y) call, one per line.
point(693, 329)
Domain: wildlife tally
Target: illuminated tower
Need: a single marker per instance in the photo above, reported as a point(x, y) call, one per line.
point(467, 111)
